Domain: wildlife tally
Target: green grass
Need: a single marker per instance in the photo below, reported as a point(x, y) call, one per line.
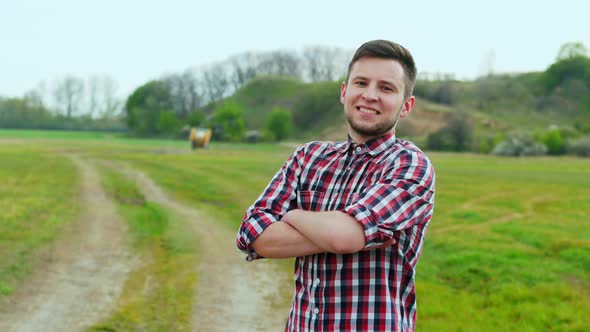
point(504, 230)
point(56, 134)
point(158, 295)
point(37, 199)
point(507, 248)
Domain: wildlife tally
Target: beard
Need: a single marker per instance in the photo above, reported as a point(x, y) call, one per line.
point(373, 130)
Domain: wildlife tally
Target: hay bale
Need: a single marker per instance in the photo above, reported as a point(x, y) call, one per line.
point(200, 137)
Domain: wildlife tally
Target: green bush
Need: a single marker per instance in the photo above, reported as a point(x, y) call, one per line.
point(580, 147)
point(554, 142)
point(228, 122)
point(279, 124)
point(456, 135)
point(519, 144)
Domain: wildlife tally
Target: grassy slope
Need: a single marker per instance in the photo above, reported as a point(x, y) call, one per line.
point(511, 104)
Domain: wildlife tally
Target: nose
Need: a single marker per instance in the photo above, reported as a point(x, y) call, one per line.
point(370, 94)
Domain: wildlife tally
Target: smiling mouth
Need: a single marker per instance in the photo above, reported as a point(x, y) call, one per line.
point(366, 110)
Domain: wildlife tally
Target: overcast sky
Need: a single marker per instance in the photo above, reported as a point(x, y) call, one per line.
point(135, 41)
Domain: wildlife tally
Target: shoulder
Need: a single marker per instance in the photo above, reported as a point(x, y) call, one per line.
point(406, 155)
point(319, 148)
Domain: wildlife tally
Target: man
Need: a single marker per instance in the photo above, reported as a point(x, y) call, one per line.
point(354, 213)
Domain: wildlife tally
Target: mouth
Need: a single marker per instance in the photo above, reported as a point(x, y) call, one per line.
point(367, 110)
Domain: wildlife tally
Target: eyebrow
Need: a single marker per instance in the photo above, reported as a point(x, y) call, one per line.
point(392, 83)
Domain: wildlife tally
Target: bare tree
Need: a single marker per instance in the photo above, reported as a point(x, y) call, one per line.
point(187, 94)
point(110, 102)
point(216, 81)
point(92, 88)
point(68, 93)
point(101, 96)
point(244, 68)
point(283, 63)
point(325, 63)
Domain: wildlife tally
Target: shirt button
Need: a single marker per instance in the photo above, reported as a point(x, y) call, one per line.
point(358, 149)
point(316, 311)
point(316, 282)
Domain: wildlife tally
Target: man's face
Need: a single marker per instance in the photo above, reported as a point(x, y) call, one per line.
point(373, 98)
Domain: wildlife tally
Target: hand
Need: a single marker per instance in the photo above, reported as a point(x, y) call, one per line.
point(385, 244)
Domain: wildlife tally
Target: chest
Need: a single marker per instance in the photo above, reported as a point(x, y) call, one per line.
point(329, 184)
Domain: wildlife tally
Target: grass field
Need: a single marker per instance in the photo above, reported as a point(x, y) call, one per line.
point(37, 199)
point(508, 248)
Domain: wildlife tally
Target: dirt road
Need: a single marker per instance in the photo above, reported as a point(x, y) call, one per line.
point(84, 274)
point(81, 281)
point(232, 295)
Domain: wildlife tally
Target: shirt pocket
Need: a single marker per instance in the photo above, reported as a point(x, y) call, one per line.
point(310, 200)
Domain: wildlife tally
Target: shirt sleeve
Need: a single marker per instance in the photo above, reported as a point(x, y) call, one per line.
point(402, 198)
point(272, 205)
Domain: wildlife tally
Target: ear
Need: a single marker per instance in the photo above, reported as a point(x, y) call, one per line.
point(408, 106)
point(342, 92)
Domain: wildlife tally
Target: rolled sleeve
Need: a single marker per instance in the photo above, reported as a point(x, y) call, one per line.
point(402, 198)
point(270, 207)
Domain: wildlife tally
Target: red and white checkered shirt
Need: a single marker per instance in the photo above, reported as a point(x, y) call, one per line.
point(387, 185)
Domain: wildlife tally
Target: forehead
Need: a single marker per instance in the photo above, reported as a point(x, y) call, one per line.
point(379, 69)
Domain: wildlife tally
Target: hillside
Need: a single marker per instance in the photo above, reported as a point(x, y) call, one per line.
point(493, 105)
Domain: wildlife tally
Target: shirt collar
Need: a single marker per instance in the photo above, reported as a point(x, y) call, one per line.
point(373, 146)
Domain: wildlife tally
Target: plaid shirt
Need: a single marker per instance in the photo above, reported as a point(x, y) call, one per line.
point(387, 185)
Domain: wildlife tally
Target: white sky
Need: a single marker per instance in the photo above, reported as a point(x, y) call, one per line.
point(134, 41)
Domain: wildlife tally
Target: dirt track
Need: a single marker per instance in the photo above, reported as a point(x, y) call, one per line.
point(84, 274)
point(232, 295)
point(83, 277)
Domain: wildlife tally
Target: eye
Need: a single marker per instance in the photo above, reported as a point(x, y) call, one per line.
point(387, 88)
point(360, 83)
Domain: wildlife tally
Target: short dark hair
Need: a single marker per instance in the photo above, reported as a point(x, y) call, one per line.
point(385, 49)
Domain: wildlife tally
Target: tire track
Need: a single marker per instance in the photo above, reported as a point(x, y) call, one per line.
point(231, 295)
point(85, 273)
point(528, 207)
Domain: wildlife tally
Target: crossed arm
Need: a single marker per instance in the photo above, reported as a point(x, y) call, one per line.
point(301, 233)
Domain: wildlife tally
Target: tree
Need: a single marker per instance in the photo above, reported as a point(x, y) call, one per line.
point(196, 119)
point(228, 122)
point(324, 63)
point(572, 63)
point(572, 50)
point(68, 93)
point(554, 142)
point(144, 106)
point(23, 113)
point(279, 123)
point(168, 123)
point(186, 91)
point(279, 63)
point(110, 102)
point(565, 70)
point(456, 135)
point(244, 68)
point(216, 81)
